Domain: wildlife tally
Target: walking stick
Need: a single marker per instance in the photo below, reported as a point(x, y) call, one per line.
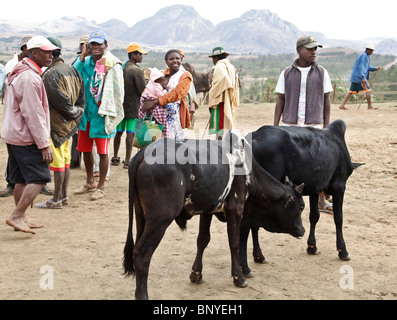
point(373, 78)
point(205, 130)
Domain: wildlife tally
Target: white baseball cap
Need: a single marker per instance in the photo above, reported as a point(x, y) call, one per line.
point(41, 43)
point(370, 46)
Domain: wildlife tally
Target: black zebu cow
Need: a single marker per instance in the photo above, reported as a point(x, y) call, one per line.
point(318, 158)
point(176, 180)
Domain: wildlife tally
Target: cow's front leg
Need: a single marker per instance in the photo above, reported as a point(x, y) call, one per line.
point(203, 239)
point(337, 202)
point(234, 214)
point(314, 217)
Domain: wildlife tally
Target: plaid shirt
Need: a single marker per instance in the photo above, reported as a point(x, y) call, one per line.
point(159, 113)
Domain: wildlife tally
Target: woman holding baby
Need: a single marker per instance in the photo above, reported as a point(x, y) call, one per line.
point(165, 96)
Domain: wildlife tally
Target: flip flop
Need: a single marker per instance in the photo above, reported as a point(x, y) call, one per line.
point(85, 189)
point(126, 164)
point(49, 204)
point(115, 161)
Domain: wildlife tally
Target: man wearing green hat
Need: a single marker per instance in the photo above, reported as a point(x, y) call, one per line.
point(224, 94)
point(304, 95)
point(66, 98)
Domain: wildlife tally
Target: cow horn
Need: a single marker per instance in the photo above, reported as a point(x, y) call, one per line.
point(299, 189)
point(286, 179)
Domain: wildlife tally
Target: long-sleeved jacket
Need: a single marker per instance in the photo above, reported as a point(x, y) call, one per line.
point(361, 69)
point(26, 118)
point(65, 91)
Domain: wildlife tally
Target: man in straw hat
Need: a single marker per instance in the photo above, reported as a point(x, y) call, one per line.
point(360, 76)
point(224, 94)
point(26, 130)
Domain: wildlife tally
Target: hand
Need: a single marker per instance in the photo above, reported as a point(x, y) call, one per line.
point(150, 104)
point(85, 52)
point(47, 155)
point(378, 68)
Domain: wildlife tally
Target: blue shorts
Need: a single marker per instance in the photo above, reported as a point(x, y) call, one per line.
point(26, 165)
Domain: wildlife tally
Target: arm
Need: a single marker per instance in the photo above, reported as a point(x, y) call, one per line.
point(61, 100)
point(327, 109)
point(33, 112)
point(279, 109)
point(140, 82)
point(179, 92)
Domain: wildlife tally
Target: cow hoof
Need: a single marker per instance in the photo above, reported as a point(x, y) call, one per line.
point(196, 277)
point(250, 275)
point(240, 282)
point(344, 256)
point(312, 250)
point(260, 259)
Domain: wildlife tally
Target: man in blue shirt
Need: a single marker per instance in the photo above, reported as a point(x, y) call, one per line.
point(360, 76)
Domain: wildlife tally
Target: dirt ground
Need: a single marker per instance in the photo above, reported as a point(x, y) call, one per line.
point(78, 253)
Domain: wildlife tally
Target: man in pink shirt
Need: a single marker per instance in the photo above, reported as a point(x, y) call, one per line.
point(26, 130)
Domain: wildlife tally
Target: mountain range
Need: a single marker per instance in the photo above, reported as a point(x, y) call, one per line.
point(256, 31)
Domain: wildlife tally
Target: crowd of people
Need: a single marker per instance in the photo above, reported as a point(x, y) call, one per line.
point(49, 103)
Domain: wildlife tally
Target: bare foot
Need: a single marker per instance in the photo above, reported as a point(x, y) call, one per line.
point(32, 225)
point(19, 225)
point(343, 108)
point(372, 108)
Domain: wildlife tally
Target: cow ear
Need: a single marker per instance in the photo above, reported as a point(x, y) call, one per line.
point(290, 200)
point(299, 189)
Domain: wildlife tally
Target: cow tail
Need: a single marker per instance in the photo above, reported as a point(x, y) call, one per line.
point(128, 261)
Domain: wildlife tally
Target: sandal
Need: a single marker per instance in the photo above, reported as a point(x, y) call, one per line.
point(65, 202)
point(126, 164)
point(85, 189)
point(326, 209)
point(7, 191)
point(47, 191)
point(97, 194)
point(49, 204)
point(115, 161)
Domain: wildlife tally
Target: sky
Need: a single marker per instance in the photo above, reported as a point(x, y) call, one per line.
point(336, 19)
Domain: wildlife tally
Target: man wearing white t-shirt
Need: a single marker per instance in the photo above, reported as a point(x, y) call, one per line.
point(304, 89)
point(304, 95)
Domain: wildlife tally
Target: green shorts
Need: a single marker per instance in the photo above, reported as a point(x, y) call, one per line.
point(127, 124)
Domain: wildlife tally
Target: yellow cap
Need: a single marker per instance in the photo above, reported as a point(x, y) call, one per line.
point(135, 47)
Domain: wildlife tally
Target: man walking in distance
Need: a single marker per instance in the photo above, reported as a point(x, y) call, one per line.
point(65, 91)
point(360, 76)
point(26, 130)
point(224, 94)
point(134, 84)
point(304, 95)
